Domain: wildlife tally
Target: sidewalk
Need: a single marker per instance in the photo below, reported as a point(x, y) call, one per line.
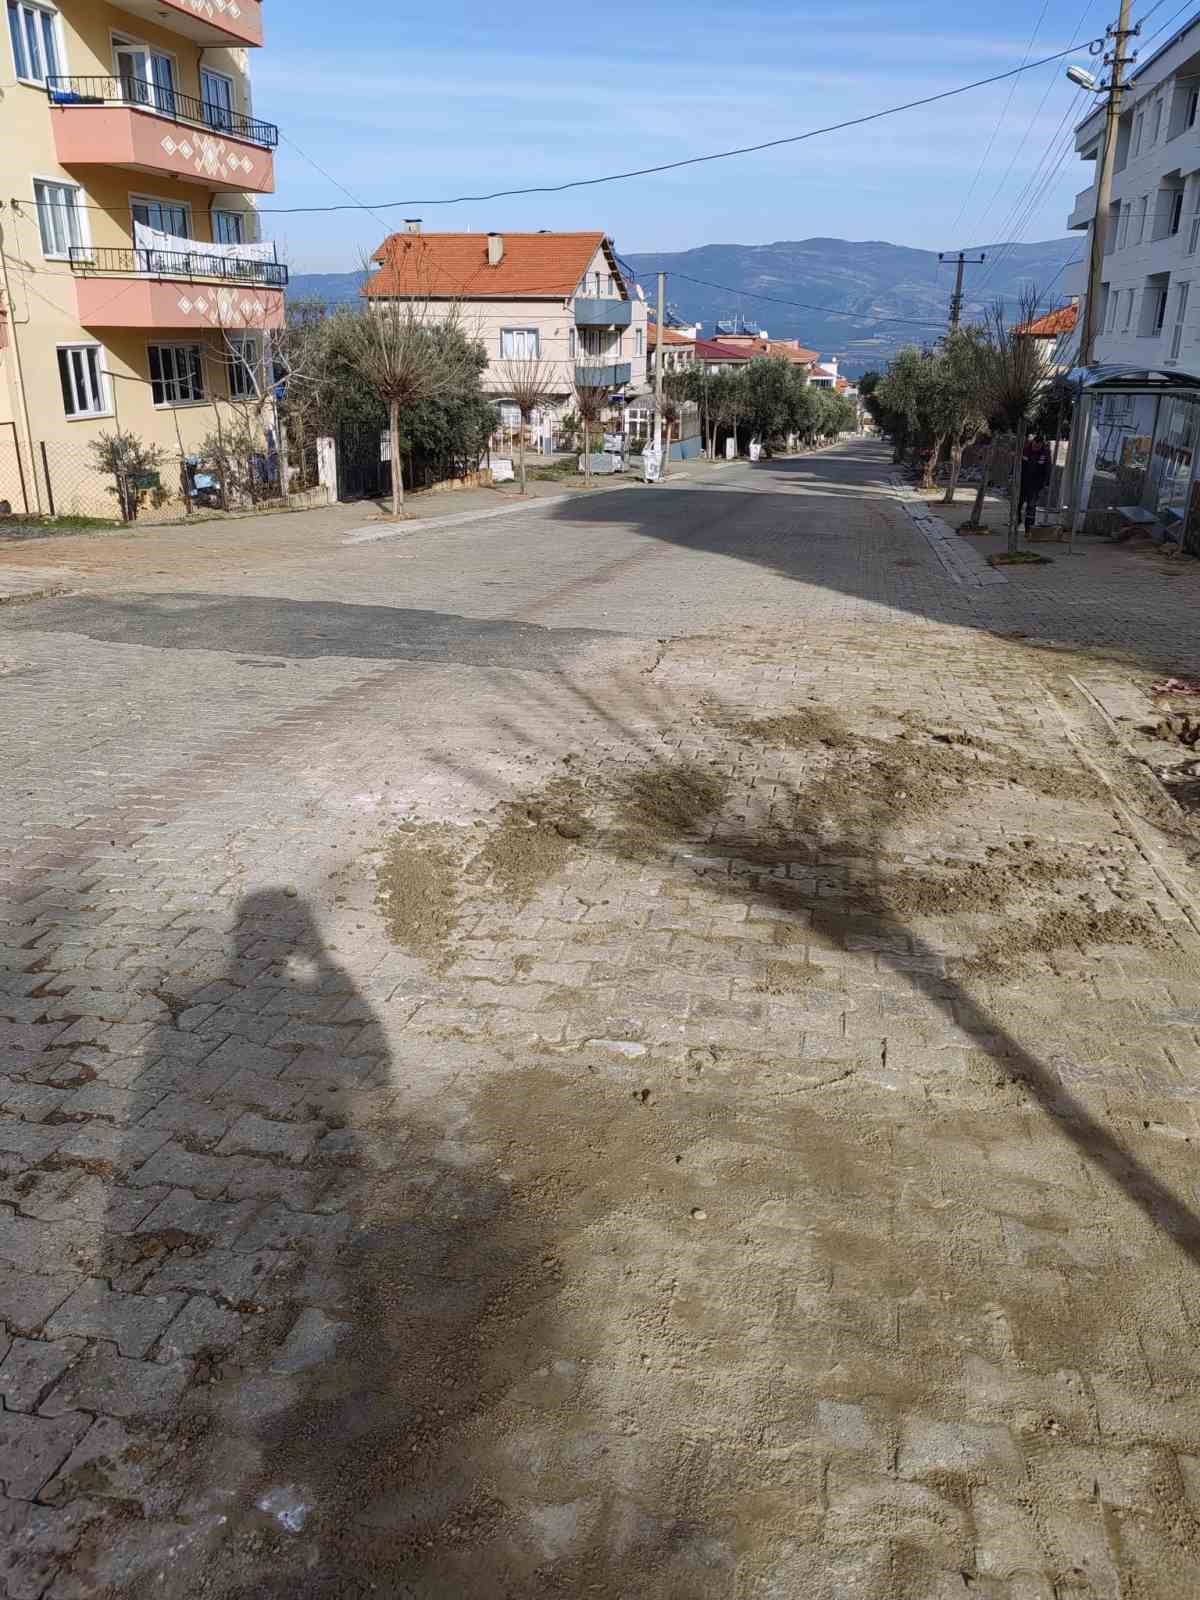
point(218, 545)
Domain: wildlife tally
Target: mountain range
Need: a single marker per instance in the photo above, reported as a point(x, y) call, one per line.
point(853, 288)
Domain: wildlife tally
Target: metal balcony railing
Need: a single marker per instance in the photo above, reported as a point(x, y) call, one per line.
point(116, 262)
point(169, 103)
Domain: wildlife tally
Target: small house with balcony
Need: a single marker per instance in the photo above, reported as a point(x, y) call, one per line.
point(1135, 450)
point(560, 299)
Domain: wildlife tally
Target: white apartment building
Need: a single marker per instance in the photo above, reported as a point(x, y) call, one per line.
point(1139, 445)
point(1149, 317)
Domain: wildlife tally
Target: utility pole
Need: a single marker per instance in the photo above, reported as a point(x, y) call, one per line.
point(659, 362)
point(1118, 61)
point(956, 299)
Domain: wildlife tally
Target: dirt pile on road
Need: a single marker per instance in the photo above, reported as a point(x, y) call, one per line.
point(535, 837)
point(418, 888)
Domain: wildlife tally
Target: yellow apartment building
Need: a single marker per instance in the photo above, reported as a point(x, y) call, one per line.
point(136, 290)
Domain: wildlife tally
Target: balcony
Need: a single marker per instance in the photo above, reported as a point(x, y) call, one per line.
point(1084, 209)
point(208, 22)
point(610, 375)
point(176, 291)
point(115, 122)
point(603, 313)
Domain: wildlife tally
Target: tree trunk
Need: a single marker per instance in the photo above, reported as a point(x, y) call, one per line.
point(394, 451)
point(662, 473)
point(1014, 493)
point(956, 455)
point(974, 520)
point(931, 462)
point(521, 453)
point(281, 452)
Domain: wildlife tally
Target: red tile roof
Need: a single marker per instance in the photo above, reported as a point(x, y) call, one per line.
point(670, 335)
point(534, 265)
point(1053, 325)
point(787, 349)
point(710, 350)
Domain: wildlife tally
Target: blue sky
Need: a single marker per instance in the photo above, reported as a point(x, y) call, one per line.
point(467, 96)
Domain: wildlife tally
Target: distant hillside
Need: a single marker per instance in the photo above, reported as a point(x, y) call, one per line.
point(871, 280)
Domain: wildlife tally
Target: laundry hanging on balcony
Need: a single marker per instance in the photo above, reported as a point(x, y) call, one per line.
point(170, 255)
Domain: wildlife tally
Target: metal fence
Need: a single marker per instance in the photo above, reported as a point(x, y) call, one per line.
point(61, 478)
point(68, 91)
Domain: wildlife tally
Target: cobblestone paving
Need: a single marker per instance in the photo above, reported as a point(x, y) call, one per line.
point(774, 1179)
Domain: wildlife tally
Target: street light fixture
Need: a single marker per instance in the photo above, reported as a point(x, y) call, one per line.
point(1082, 77)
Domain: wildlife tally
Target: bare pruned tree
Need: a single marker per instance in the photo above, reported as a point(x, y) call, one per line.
point(591, 401)
point(1016, 371)
point(408, 355)
point(529, 384)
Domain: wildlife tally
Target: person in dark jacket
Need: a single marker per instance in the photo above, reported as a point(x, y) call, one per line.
point(1035, 475)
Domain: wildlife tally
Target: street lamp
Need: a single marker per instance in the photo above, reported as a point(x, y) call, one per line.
point(1082, 77)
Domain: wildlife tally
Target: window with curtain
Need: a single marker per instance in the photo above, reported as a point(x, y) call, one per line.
point(216, 91)
point(83, 388)
point(59, 217)
point(34, 42)
point(176, 374)
point(519, 344)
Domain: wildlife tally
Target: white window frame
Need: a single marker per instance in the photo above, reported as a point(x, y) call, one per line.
point(1143, 213)
point(239, 366)
point(527, 334)
point(572, 343)
point(79, 211)
point(1123, 227)
point(142, 199)
point(201, 399)
point(238, 216)
point(1182, 291)
point(226, 78)
point(639, 341)
point(126, 41)
point(1139, 123)
point(1175, 213)
point(1130, 298)
point(1158, 319)
point(56, 30)
point(103, 392)
point(1158, 111)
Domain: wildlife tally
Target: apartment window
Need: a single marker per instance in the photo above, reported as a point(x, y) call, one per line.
point(1123, 236)
point(1191, 106)
point(1127, 322)
point(1114, 301)
point(34, 41)
point(227, 227)
point(176, 374)
point(165, 216)
point(243, 368)
point(1140, 224)
point(147, 77)
point(572, 343)
point(1158, 310)
point(639, 341)
point(216, 91)
point(1181, 304)
point(60, 219)
point(1138, 124)
point(519, 344)
point(1157, 124)
point(1175, 213)
point(83, 388)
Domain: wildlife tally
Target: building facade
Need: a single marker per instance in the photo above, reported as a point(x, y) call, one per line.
point(1149, 315)
point(138, 292)
point(560, 299)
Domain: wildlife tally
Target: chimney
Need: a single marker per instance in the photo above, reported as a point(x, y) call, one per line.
point(412, 224)
point(495, 249)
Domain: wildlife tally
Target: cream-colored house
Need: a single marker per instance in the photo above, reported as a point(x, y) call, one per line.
point(558, 298)
point(137, 291)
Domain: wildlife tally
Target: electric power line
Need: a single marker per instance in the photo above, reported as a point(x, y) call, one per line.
point(801, 305)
